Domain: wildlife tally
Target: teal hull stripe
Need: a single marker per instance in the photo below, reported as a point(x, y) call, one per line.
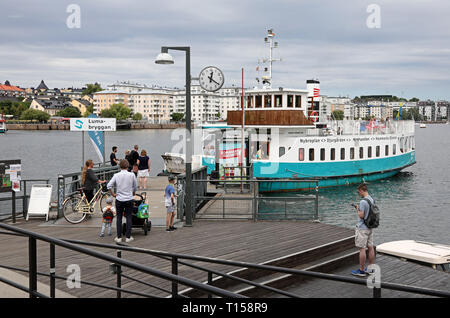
point(306, 169)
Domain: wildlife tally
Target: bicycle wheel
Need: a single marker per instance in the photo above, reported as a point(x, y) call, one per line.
point(105, 196)
point(73, 210)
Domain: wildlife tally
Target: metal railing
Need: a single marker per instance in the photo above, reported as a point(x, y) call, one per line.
point(68, 184)
point(257, 201)
point(117, 263)
point(24, 198)
point(177, 259)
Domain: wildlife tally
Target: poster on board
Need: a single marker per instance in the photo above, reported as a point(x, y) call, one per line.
point(10, 175)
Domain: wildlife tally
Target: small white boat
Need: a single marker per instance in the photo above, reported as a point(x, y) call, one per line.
point(435, 255)
point(174, 163)
point(423, 126)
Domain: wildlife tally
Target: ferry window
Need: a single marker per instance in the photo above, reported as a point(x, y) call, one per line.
point(250, 102)
point(322, 154)
point(282, 151)
point(413, 143)
point(267, 101)
point(352, 153)
point(333, 154)
point(258, 101)
point(401, 144)
point(378, 151)
point(361, 152)
point(394, 149)
point(301, 154)
point(342, 153)
point(290, 101)
point(369, 152)
point(311, 154)
point(386, 150)
point(278, 100)
point(298, 101)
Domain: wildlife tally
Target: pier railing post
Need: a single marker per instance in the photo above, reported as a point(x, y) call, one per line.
point(119, 275)
point(316, 203)
point(52, 270)
point(210, 280)
point(61, 194)
point(32, 266)
point(24, 200)
point(174, 272)
point(13, 202)
point(376, 292)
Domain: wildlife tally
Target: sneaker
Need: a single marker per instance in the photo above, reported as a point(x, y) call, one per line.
point(118, 240)
point(128, 240)
point(173, 228)
point(359, 272)
point(102, 235)
point(169, 230)
point(369, 271)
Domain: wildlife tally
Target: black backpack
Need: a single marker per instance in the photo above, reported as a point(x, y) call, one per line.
point(373, 218)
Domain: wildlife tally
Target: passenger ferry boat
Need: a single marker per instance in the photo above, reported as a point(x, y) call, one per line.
point(2, 125)
point(285, 139)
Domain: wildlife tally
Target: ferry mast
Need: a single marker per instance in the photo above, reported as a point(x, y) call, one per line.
point(269, 39)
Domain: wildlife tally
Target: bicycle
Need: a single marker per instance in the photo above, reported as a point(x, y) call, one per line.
point(76, 207)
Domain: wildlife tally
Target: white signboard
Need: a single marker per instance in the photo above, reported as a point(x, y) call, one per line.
point(92, 124)
point(40, 197)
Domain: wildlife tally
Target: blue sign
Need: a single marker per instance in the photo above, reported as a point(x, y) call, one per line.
point(98, 139)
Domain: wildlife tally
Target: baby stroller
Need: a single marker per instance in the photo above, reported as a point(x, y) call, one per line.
point(137, 222)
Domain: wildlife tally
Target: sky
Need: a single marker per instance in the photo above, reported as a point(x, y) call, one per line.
point(402, 48)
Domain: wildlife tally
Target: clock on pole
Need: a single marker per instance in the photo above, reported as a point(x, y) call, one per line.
point(211, 78)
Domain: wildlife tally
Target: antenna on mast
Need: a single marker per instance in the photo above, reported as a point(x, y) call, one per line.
point(269, 39)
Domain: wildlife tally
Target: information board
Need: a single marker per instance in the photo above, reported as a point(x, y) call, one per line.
point(10, 175)
point(40, 197)
point(93, 124)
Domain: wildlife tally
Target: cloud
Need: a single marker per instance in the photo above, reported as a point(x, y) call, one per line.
point(118, 40)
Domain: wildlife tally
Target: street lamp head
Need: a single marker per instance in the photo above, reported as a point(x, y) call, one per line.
point(164, 58)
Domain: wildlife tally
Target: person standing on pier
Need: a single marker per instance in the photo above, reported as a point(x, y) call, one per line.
point(169, 199)
point(89, 180)
point(112, 157)
point(126, 186)
point(144, 169)
point(364, 235)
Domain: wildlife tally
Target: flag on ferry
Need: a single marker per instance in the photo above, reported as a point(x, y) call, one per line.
point(316, 92)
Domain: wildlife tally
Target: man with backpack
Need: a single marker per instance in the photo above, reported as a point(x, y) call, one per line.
point(368, 220)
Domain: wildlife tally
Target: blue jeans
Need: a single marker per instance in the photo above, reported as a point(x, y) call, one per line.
point(106, 225)
point(124, 209)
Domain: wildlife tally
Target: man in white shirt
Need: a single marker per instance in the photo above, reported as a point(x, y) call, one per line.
point(126, 186)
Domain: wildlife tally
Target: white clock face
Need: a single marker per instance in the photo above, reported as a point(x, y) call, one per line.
point(211, 78)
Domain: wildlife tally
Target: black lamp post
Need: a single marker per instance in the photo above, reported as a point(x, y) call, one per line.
point(165, 58)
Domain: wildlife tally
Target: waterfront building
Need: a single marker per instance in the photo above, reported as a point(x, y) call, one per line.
point(50, 105)
point(157, 104)
point(81, 105)
point(8, 90)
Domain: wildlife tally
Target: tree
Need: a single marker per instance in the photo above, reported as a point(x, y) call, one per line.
point(15, 108)
point(137, 116)
point(69, 112)
point(176, 117)
point(117, 111)
point(414, 99)
point(89, 110)
point(34, 114)
point(338, 114)
point(92, 88)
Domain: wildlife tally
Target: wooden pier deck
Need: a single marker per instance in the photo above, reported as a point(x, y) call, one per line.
point(247, 241)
